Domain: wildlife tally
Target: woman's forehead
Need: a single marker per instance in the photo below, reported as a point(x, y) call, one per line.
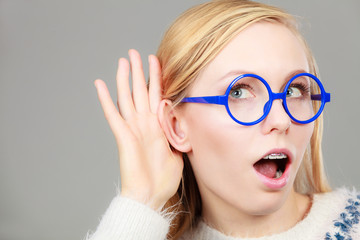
point(267, 49)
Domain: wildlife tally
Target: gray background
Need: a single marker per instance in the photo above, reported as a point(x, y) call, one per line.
point(58, 157)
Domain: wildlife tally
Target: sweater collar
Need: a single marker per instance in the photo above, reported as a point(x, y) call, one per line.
point(325, 208)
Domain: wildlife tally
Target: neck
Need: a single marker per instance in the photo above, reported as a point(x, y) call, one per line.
point(234, 222)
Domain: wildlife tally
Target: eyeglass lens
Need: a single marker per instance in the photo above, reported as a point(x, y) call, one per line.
point(248, 97)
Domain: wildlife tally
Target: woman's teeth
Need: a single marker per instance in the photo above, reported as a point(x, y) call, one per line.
point(278, 174)
point(275, 156)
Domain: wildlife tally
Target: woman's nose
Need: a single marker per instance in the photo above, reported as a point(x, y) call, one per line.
point(277, 119)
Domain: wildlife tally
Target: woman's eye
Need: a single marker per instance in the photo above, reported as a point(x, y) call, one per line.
point(293, 92)
point(240, 92)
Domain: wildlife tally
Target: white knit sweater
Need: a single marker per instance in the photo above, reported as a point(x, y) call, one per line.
point(333, 216)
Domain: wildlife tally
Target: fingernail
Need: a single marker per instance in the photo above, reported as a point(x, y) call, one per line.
point(131, 51)
point(150, 59)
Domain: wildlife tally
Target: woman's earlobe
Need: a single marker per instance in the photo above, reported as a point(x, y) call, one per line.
point(171, 124)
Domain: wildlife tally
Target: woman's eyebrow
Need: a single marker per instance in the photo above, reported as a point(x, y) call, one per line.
point(234, 73)
point(240, 72)
point(220, 83)
point(293, 73)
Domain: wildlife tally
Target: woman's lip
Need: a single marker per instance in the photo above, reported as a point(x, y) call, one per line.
point(278, 182)
point(281, 181)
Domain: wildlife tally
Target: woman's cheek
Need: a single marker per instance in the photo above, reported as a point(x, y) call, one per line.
point(301, 136)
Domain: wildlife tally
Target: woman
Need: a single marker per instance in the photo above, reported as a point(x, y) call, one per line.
point(251, 168)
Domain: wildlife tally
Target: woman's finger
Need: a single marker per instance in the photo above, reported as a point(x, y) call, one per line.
point(140, 93)
point(124, 98)
point(155, 83)
point(111, 113)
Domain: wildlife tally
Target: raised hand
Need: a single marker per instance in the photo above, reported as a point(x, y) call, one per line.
point(150, 171)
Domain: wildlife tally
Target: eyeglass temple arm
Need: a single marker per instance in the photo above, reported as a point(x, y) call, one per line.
point(318, 97)
point(221, 100)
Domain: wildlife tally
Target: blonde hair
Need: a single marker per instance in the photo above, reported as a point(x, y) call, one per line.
point(192, 41)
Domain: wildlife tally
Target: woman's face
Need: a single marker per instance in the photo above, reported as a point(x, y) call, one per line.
point(223, 152)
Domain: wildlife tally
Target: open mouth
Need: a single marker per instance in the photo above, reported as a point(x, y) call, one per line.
point(273, 165)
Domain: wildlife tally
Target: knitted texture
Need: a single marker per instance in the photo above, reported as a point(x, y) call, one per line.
point(321, 220)
point(346, 226)
point(329, 215)
point(129, 219)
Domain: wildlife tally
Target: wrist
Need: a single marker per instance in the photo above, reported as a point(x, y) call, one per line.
point(152, 202)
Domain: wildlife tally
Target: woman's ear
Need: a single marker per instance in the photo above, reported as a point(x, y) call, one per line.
point(172, 126)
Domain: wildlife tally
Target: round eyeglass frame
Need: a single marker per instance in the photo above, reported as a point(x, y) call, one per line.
point(324, 97)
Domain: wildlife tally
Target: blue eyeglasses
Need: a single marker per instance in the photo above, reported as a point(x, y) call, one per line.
point(249, 98)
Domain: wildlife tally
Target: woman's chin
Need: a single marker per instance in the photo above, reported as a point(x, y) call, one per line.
point(265, 202)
